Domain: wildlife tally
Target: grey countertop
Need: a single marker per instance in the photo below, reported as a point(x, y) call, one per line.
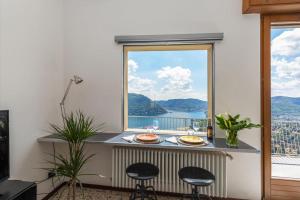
point(219, 144)
point(115, 139)
point(98, 138)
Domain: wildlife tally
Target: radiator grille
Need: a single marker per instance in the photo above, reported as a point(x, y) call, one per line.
point(169, 162)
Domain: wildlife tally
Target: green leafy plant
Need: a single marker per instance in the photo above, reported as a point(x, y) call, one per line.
point(76, 129)
point(232, 125)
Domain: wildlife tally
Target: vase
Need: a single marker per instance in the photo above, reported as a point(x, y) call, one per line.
point(232, 139)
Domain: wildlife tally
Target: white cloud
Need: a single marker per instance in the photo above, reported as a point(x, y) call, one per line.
point(138, 84)
point(289, 88)
point(287, 43)
point(177, 78)
point(177, 83)
point(285, 68)
point(287, 85)
point(286, 77)
point(132, 66)
point(286, 64)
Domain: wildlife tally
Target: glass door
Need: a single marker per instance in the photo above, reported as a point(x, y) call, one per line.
point(285, 102)
point(280, 76)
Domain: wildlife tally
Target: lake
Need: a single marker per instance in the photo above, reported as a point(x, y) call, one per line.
point(172, 120)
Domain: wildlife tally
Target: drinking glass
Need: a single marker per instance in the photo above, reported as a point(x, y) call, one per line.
point(149, 130)
point(155, 125)
point(190, 132)
point(196, 126)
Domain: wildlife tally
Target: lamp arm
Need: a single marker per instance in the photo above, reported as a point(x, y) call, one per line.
point(62, 103)
point(66, 92)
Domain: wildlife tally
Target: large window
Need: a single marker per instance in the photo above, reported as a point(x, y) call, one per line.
point(281, 105)
point(168, 87)
point(285, 101)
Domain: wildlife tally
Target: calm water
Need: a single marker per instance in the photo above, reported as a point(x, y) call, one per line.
point(169, 121)
point(193, 115)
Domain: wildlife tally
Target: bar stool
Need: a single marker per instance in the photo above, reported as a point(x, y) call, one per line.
point(142, 172)
point(197, 177)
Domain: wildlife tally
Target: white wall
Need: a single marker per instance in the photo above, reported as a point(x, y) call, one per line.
point(31, 79)
point(44, 42)
point(90, 51)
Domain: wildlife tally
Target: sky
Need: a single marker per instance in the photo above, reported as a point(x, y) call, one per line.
point(162, 75)
point(285, 61)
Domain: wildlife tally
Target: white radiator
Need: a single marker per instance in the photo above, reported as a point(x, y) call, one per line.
point(169, 162)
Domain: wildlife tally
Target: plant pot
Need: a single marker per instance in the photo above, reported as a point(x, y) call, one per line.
point(232, 140)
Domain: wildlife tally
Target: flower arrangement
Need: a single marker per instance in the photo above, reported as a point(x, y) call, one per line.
point(232, 125)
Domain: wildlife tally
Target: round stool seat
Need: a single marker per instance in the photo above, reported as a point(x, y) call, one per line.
point(142, 171)
point(196, 176)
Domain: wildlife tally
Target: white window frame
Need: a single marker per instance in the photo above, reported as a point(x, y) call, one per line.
point(174, 47)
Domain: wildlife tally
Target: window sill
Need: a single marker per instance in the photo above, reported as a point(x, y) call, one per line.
point(164, 132)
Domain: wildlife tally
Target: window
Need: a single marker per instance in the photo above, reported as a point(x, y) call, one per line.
point(168, 87)
point(285, 95)
point(280, 107)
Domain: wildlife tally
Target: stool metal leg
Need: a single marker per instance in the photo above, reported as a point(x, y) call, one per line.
point(133, 193)
point(202, 196)
point(195, 195)
point(142, 192)
point(153, 191)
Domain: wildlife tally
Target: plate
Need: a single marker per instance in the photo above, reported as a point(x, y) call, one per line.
point(191, 139)
point(158, 141)
point(147, 137)
point(192, 145)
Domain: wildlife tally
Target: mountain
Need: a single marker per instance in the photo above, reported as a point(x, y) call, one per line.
point(285, 106)
point(184, 105)
point(140, 105)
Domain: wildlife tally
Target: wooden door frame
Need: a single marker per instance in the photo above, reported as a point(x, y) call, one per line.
point(266, 22)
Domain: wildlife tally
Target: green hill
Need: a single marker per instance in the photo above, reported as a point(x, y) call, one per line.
point(184, 105)
point(140, 105)
point(285, 106)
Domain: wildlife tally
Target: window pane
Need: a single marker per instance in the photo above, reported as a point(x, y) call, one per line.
point(168, 89)
point(285, 78)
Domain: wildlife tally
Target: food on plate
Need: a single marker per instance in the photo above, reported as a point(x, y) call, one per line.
point(147, 137)
point(191, 139)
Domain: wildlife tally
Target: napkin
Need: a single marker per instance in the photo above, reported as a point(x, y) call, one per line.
point(129, 138)
point(172, 139)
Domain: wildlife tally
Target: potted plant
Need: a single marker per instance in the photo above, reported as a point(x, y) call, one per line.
point(232, 125)
point(76, 129)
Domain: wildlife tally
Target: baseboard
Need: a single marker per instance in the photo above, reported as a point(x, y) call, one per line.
point(104, 187)
point(50, 194)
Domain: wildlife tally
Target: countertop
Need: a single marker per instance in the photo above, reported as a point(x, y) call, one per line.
point(115, 139)
point(98, 138)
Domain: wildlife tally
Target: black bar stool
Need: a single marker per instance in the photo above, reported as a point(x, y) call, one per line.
point(142, 172)
point(197, 177)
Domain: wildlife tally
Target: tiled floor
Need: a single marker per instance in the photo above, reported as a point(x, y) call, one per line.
point(93, 194)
